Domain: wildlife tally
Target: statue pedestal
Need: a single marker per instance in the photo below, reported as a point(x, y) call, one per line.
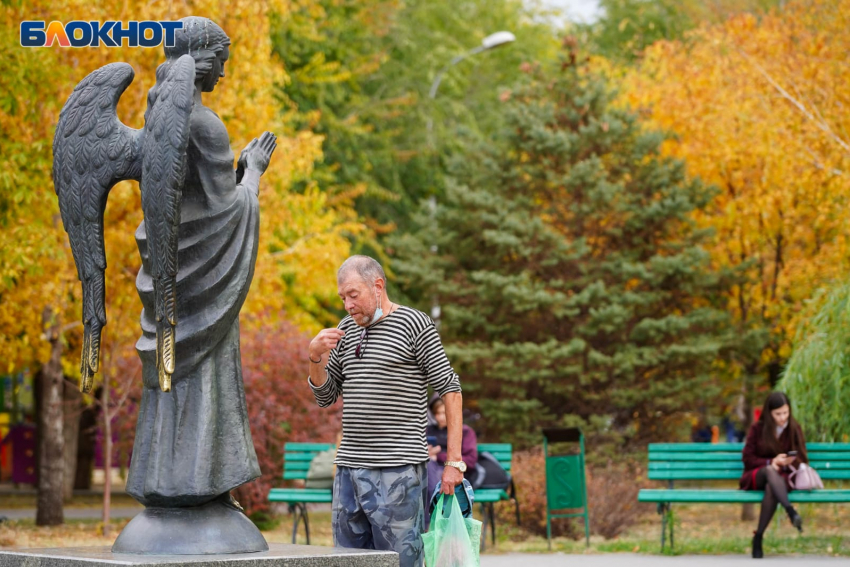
point(214, 528)
point(278, 555)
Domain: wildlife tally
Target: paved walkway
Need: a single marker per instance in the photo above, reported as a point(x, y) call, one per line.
point(631, 560)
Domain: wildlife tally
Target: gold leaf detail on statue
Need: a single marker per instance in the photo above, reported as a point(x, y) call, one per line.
point(167, 352)
point(94, 348)
point(85, 370)
point(164, 379)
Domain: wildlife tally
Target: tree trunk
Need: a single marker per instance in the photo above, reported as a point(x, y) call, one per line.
point(107, 456)
point(71, 433)
point(86, 439)
point(51, 465)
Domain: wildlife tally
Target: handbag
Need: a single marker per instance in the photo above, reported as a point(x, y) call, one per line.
point(804, 478)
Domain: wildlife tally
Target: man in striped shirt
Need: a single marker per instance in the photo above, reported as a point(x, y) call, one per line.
point(381, 359)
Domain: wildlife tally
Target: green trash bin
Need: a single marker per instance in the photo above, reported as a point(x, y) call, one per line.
point(566, 485)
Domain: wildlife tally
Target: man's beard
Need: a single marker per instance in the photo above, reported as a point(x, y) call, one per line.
point(364, 320)
point(371, 318)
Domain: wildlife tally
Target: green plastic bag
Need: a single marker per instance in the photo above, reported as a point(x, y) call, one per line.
point(452, 540)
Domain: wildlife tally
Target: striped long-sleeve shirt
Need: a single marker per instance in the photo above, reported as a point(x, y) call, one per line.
point(385, 390)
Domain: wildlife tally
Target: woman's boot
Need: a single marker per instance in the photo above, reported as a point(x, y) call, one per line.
point(796, 519)
point(757, 551)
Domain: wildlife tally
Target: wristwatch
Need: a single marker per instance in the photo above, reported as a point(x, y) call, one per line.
point(459, 465)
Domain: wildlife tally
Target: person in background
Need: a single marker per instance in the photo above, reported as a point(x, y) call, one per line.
point(774, 442)
point(437, 434)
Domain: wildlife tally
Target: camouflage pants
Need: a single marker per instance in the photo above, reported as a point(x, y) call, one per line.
point(381, 509)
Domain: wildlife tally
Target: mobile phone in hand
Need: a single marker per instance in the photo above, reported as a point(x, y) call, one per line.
point(792, 453)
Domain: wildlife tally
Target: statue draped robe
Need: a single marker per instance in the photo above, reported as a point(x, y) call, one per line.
point(194, 443)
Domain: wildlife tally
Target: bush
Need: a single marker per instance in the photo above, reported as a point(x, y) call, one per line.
point(611, 492)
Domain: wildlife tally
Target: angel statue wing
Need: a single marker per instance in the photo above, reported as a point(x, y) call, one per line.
point(92, 151)
point(163, 173)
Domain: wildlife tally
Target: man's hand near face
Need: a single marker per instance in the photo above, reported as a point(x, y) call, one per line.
point(323, 343)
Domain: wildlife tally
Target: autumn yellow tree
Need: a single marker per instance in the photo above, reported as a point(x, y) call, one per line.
point(760, 107)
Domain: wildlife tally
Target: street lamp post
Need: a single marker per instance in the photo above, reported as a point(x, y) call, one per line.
point(491, 41)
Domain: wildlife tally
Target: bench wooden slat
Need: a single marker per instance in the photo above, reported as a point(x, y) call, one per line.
point(295, 475)
point(300, 456)
point(694, 475)
point(714, 447)
point(818, 465)
point(306, 495)
point(826, 474)
point(706, 456)
point(306, 447)
point(739, 466)
point(818, 446)
point(486, 495)
point(695, 465)
point(738, 496)
point(696, 447)
point(683, 456)
point(492, 447)
point(500, 455)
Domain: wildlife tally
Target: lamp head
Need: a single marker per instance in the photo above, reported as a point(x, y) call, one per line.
point(497, 39)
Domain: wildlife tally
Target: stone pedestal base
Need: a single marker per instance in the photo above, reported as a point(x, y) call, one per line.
point(210, 529)
point(278, 555)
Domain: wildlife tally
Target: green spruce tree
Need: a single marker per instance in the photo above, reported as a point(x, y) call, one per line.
point(573, 286)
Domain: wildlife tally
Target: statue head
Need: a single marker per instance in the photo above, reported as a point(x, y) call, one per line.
point(208, 45)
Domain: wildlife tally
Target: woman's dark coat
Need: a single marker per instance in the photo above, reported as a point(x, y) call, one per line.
point(757, 454)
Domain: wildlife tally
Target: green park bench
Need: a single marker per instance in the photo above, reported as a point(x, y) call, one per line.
point(296, 462)
point(487, 497)
point(673, 462)
point(298, 456)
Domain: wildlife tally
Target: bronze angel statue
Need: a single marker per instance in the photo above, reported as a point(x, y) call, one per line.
point(198, 244)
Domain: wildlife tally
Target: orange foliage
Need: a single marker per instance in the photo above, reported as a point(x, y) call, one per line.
point(761, 108)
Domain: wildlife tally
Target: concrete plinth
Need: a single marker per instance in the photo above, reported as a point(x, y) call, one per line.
point(212, 529)
point(278, 555)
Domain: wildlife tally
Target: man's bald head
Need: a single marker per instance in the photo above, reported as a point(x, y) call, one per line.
point(366, 268)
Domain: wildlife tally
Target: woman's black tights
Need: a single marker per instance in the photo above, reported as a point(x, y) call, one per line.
point(775, 493)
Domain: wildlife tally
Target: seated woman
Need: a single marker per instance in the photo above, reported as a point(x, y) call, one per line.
point(437, 444)
point(773, 443)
